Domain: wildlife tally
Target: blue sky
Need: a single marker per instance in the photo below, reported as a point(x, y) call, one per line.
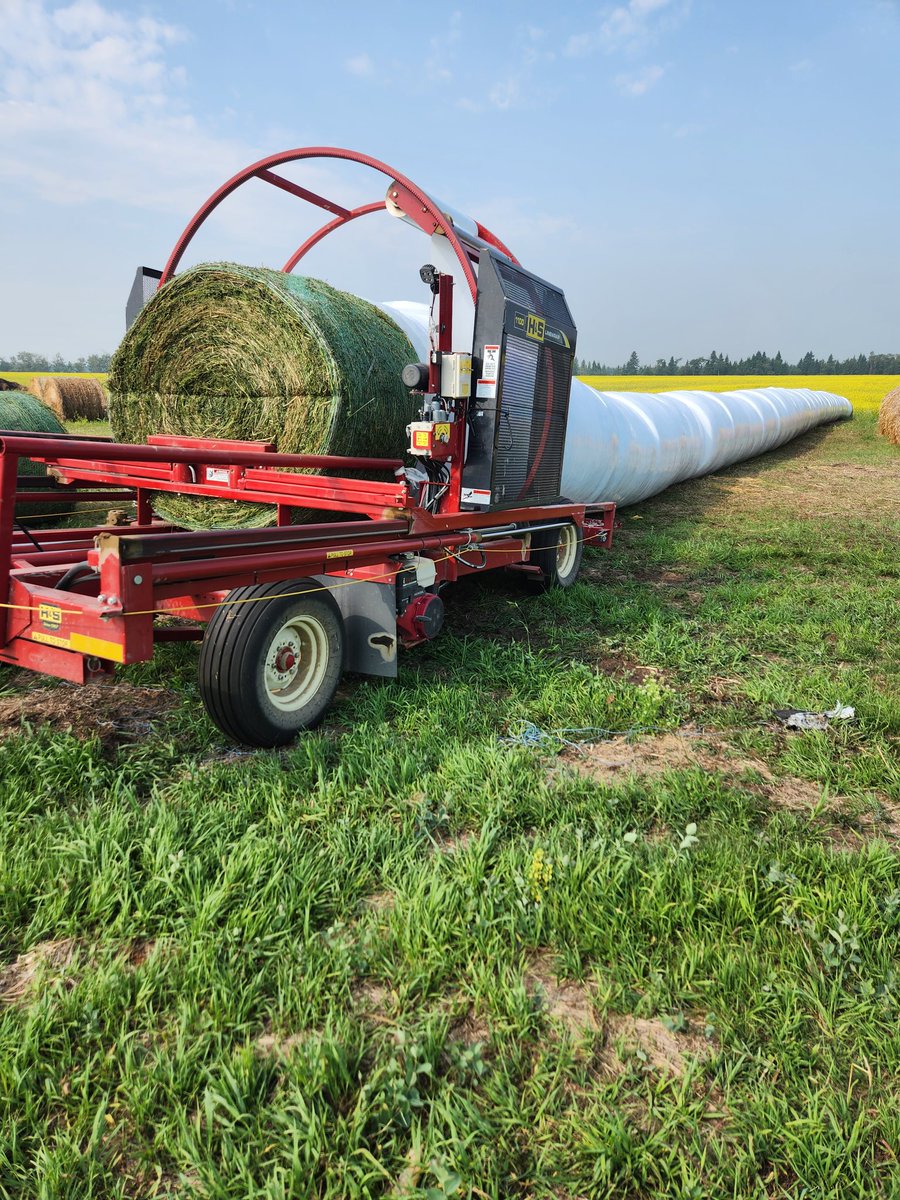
point(697, 175)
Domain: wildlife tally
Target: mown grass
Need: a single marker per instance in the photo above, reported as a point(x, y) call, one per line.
point(327, 972)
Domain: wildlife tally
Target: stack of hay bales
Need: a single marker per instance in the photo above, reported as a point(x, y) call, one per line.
point(21, 412)
point(889, 417)
point(71, 398)
point(229, 351)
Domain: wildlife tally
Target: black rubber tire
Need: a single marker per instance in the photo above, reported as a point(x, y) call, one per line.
point(234, 653)
point(545, 544)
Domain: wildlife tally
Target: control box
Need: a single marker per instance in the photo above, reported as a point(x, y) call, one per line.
point(456, 376)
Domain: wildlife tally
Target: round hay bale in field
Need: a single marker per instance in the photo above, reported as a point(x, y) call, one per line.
point(10, 385)
point(20, 412)
point(241, 352)
point(889, 417)
point(71, 398)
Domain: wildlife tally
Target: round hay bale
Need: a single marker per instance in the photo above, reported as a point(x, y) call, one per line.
point(20, 412)
point(241, 352)
point(889, 417)
point(70, 397)
point(10, 385)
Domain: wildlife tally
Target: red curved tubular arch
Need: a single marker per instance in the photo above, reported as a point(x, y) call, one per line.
point(329, 227)
point(264, 166)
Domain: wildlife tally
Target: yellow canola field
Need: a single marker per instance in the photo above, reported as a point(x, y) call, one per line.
point(865, 392)
point(25, 377)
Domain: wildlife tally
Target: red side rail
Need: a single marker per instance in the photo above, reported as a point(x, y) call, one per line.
point(80, 600)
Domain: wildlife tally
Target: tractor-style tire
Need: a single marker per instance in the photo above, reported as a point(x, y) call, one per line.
point(558, 553)
point(270, 668)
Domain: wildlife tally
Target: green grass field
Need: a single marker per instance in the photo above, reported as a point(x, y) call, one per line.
point(653, 955)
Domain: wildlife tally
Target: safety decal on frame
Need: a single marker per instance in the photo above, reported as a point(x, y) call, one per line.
point(486, 387)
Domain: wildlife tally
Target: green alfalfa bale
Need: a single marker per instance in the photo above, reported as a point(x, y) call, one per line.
point(20, 412)
point(230, 351)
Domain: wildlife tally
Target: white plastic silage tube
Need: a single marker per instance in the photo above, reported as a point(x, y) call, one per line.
point(626, 446)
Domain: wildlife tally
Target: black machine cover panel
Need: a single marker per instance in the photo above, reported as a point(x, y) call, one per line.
point(518, 423)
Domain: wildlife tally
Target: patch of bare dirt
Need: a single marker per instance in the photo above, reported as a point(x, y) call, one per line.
point(51, 961)
point(46, 962)
point(796, 795)
point(469, 1028)
point(565, 1001)
point(883, 820)
point(613, 760)
point(279, 1045)
point(381, 902)
point(721, 688)
point(456, 843)
point(628, 670)
point(109, 710)
point(653, 1043)
point(840, 819)
point(373, 1001)
point(138, 951)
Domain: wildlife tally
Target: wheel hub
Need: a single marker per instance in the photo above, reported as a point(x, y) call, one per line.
point(285, 659)
point(296, 662)
point(284, 662)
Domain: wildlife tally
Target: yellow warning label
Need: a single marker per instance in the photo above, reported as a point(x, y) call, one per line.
point(82, 644)
point(442, 432)
point(98, 646)
point(339, 554)
point(50, 640)
point(420, 439)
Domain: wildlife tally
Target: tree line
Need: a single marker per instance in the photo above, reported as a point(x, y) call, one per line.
point(26, 361)
point(759, 363)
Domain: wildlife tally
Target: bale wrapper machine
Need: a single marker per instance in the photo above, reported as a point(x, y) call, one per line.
point(282, 612)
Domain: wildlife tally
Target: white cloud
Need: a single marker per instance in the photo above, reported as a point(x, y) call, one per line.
point(94, 110)
point(626, 26)
point(506, 94)
point(360, 65)
point(443, 51)
point(638, 83)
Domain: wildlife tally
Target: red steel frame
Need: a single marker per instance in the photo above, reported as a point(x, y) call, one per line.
point(123, 578)
point(80, 601)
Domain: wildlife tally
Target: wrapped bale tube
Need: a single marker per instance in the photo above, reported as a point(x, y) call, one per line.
point(228, 351)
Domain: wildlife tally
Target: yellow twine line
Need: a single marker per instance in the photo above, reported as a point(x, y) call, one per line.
point(152, 612)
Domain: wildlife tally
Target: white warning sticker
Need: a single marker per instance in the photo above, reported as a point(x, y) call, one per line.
point(476, 495)
point(490, 368)
point(216, 474)
point(486, 389)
